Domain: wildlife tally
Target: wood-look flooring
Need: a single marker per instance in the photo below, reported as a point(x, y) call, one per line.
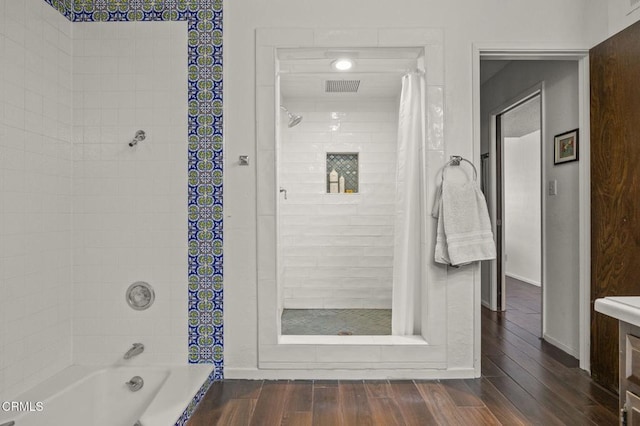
point(524, 382)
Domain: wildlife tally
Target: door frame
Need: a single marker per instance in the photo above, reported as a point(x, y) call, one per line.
point(581, 56)
point(496, 186)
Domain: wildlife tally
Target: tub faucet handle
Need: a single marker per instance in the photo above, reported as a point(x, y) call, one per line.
point(135, 384)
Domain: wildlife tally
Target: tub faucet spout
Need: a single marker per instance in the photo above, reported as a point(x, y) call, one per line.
point(136, 349)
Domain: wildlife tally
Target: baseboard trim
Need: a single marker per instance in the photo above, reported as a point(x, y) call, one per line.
point(571, 351)
point(523, 279)
point(396, 374)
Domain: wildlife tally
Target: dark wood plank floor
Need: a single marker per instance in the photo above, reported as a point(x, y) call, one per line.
point(524, 382)
point(524, 305)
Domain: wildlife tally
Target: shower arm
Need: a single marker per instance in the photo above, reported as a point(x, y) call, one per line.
point(287, 111)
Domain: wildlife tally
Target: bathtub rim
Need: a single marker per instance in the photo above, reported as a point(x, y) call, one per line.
point(164, 405)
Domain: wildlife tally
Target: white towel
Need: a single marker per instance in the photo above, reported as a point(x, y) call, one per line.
point(464, 230)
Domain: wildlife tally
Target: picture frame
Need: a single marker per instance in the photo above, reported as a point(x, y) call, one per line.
point(565, 147)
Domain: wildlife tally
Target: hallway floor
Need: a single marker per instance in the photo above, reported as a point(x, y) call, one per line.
point(524, 303)
point(524, 382)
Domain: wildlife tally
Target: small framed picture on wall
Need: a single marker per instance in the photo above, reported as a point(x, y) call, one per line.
point(566, 147)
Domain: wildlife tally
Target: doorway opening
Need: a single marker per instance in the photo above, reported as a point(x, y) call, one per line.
point(519, 212)
point(415, 354)
point(504, 81)
point(340, 170)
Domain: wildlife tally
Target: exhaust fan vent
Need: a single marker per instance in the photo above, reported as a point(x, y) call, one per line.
point(342, 86)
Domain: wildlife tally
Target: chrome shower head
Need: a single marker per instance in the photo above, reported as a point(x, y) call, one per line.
point(294, 119)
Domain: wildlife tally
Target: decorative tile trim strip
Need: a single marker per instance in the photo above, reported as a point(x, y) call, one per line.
point(63, 6)
point(204, 18)
point(191, 408)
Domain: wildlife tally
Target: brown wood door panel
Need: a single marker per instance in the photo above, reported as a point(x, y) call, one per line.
point(615, 189)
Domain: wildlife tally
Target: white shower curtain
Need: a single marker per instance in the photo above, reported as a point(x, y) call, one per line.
point(410, 216)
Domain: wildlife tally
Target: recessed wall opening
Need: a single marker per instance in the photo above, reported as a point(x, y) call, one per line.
point(334, 253)
point(342, 173)
point(339, 167)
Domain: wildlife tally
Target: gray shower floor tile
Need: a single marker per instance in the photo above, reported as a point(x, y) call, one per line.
point(357, 322)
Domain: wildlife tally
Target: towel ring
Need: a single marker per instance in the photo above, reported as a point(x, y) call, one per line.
point(455, 161)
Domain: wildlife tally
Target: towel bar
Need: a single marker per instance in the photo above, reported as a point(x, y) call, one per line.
point(455, 160)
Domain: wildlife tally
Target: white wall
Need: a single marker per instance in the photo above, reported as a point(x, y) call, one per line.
point(130, 204)
point(522, 210)
point(337, 249)
point(561, 235)
point(620, 15)
point(568, 23)
point(35, 194)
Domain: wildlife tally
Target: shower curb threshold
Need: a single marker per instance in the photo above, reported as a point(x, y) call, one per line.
point(352, 340)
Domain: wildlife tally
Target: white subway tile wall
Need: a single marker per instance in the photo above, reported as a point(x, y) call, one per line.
point(35, 189)
point(130, 203)
point(337, 249)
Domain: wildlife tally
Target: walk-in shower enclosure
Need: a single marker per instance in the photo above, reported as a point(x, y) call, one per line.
point(319, 248)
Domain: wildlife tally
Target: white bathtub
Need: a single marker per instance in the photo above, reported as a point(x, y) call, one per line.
point(96, 396)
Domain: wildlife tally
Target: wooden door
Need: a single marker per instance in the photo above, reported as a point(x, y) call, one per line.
point(615, 189)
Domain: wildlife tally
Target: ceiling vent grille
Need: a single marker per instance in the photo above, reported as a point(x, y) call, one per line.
point(342, 86)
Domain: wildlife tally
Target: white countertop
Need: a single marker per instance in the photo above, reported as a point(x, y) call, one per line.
point(623, 308)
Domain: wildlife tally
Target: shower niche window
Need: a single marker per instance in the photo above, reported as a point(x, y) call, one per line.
point(342, 173)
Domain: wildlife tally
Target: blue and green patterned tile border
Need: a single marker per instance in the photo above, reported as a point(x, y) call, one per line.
point(63, 6)
point(191, 408)
point(204, 18)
